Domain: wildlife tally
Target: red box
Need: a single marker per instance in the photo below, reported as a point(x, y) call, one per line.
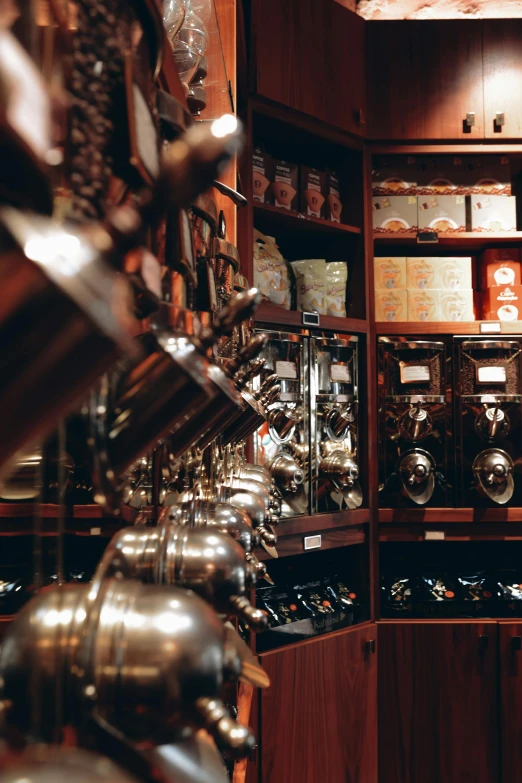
point(502, 303)
point(492, 262)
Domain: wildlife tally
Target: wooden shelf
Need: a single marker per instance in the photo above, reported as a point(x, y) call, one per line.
point(444, 327)
point(332, 538)
point(449, 515)
point(295, 221)
point(318, 522)
point(497, 531)
point(467, 240)
point(273, 315)
point(17, 519)
point(314, 639)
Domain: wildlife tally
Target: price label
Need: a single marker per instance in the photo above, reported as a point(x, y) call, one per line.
point(340, 372)
point(312, 542)
point(434, 535)
point(415, 373)
point(491, 374)
point(286, 370)
point(491, 327)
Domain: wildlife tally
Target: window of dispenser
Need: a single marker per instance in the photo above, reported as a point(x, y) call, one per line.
point(491, 374)
point(415, 373)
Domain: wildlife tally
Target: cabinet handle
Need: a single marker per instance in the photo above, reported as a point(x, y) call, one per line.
point(370, 646)
point(470, 119)
point(483, 642)
point(499, 120)
point(516, 643)
point(359, 116)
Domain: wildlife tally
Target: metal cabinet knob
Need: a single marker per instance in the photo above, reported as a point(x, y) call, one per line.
point(470, 119)
point(483, 642)
point(516, 643)
point(499, 120)
point(370, 646)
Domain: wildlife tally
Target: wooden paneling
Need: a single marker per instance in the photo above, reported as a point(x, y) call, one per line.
point(502, 76)
point(438, 705)
point(319, 715)
point(511, 700)
point(423, 77)
point(309, 56)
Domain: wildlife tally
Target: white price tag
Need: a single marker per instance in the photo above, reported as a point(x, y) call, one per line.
point(491, 374)
point(434, 535)
point(340, 372)
point(95, 531)
point(312, 542)
point(413, 373)
point(490, 327)
point(286, 370)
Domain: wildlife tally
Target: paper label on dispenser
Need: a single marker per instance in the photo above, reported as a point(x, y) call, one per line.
point(413, 373)
point(340, 372)
point(491, 374)
point(286, 370)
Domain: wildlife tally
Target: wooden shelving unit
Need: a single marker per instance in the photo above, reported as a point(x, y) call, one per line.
point(466, 240)
point(446, 516)
point(296, 221)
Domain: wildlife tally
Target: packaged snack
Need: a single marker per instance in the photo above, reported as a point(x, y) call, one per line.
point(334, 206)
point(394, 214)
point(500, 266)
point(509, 584)
point(281, 604)
point(314, 598)
point(502, 303)
point(421, 273)
point(336, 279)
point(310, 278)
point(261, 176)
point(271, 275)
point(476, 587)
point(437, 587)
point(313, 192)
point(454, 273)
point(456, 306)
point(389, 273)
point(285, 185)
point(397, 589)
point(444, 214)
point(423, 305)
point(391, 305)
point(493, 213)
point(346, 597)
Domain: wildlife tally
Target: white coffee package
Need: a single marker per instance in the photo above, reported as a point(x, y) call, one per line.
point(310, 279)
point(271, 274)
point(336, 280)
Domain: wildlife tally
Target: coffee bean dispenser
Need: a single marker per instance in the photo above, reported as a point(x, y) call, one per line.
point(488, 421)
point(334, 423)
point(282, 442)
point(415, 417)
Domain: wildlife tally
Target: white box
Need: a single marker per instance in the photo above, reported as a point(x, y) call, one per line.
point(391, 304)
point(454, 274)
point(456, 305)
point(423, 305)
point(389, 273)
point(422, 273)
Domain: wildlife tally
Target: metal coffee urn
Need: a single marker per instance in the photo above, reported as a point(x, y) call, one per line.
point(488, 421)
point(334, 426)
point(415, 423)
point(282, 442)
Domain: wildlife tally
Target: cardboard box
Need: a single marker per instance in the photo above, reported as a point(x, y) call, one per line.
point(423, 305)
point(394, 214)
point(502, 303)
point(456, 305)
point(487, 174)
point(441, 174)
point(422, 273)
point(389, 273)
point(394, 176)
point(391, 305)
point(313, 192)
point(444, 214)
point(454, 274)
point(262, 176)
point(285, 186)
point(493, 213)
point(334, 206)
point(499, 266)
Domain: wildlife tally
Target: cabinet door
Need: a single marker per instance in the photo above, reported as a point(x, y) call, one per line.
point(511, 700)
point(309, 55)
point(502, 67)
point(423, 78)
point(438, 702)
point(319, 717)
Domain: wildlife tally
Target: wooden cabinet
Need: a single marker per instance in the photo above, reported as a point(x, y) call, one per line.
point(502, 69)
point(319, 717)
point(423, 78)
point(510, 638)
point(438, 702)
point(309, 55)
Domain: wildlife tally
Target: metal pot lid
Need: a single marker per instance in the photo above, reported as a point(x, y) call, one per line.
point(416, 469)
point(493, 470)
